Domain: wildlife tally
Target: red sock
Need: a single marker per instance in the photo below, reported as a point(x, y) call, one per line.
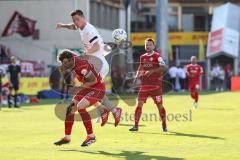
point(137, 115)
point(193, 95)
point(162, 114)
point(86, 120)
point(196, 96)
point(69, 120)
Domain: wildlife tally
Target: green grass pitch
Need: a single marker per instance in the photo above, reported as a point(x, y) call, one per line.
point(211, 132)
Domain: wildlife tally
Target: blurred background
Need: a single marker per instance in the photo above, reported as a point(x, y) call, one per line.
point(207, 29)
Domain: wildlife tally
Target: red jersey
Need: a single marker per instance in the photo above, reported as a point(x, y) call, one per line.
point(82, 69)
point(194, 71)
point(148, 63)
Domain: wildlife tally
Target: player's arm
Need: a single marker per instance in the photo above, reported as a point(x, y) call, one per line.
point(95, 47)
point(138, 71)
point(162, 67)
point(70, 26)
point(201, 71)
point(94, 41)
point(19, 72)
point(90, 80)
point(9, 75)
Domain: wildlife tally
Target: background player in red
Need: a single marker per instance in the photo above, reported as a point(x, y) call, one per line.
point(90, 92)
point(194, 71)
point(150, 73)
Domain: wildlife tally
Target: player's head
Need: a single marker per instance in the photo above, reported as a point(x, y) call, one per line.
point(193, 59)
point(149, 45)
point(66, 58)
point(78, 18)
point(13, 60)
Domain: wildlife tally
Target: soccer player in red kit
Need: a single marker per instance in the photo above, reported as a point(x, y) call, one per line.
point(90, 92)
point(150, 74)
point(194, 71)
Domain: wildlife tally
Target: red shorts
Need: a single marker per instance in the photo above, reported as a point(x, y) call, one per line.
point(193, 87)
point(93, 95)
point(155, 94)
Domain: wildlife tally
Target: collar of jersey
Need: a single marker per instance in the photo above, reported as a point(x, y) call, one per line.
point(150, 54)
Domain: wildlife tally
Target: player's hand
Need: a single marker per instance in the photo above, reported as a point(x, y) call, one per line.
point(59, 26)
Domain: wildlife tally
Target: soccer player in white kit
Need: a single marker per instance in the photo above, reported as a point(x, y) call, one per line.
point(93, 45)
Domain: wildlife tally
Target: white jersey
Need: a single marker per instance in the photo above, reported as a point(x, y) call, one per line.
point(89, 36)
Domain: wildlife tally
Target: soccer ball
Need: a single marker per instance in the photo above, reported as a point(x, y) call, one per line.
point(119, 35)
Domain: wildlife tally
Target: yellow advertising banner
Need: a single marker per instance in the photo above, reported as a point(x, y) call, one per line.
point(32, 85)
point(175, 38)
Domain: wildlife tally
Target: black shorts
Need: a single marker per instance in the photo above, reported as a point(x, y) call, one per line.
point(15, 85)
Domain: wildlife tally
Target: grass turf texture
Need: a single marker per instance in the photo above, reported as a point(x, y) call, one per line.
point(28, 133)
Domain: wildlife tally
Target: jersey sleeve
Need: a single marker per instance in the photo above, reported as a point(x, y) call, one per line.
point(93, 37)
point(161, 61)
point(86, 70)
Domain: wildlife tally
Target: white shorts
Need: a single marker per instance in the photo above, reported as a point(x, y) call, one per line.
point(105, 68)
point(103, 71)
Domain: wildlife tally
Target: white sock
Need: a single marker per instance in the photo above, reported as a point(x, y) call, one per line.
point(67, 137)
point(91, 135)
point(114, 110)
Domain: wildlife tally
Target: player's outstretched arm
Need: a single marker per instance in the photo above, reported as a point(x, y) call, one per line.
point(70, 26)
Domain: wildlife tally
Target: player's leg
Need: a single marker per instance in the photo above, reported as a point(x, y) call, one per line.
point(105, 100)
point(142, 97)
point(192, 91)
point(16, 88)
point(196, 96)
point(92, 96)
point(162, 114)
point(117, 111)
point(101, 65)
point(193, 88)
point(196, 92)
point(9, 96)
point(69, 120)
point(137, 115)
point(157, 98)
point(82, 105)
point(102, 113)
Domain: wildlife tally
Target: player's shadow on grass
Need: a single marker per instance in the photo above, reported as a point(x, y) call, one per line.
point(11, 110)
point(186, 135)
point(128, 155)
point(218, 109)
point(123, 124)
